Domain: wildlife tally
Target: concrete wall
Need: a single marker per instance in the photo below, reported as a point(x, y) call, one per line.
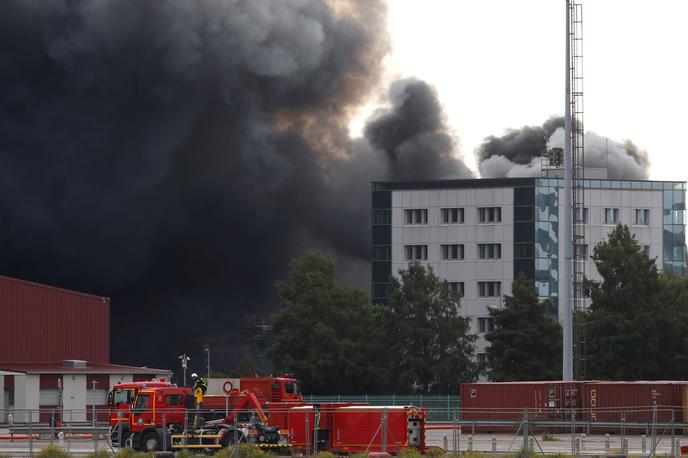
point(26, 397)
point(74, 397)
point(470, 270)
point(120, 378)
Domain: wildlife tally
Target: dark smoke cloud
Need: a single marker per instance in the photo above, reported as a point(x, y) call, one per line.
point(517, 153)
point(414, 135)
point(175, 155)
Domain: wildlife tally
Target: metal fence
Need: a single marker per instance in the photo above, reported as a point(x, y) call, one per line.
point(634, 431)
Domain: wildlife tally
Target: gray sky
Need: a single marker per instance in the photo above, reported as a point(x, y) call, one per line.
point(499, 64)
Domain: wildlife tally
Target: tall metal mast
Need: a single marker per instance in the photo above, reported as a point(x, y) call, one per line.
point(578, 175)
point(572, 241)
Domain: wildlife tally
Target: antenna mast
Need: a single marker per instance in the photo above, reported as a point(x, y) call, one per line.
point(572, 249)
point(578, 175)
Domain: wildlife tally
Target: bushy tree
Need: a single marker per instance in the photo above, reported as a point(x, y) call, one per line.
point(429, 348)
point(674, 296)
point(526, 343)
point(323, 330)
point(628, 324)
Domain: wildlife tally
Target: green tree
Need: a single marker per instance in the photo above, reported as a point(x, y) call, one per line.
point(526, 340)
point(323, 329)
point(674, 298)
point(429, 348)
point(627, 324)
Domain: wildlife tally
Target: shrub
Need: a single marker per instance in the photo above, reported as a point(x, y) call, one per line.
point(521, 452)
point(52, 451)
point(547, 437)
point(126, 452)
point(325, 454)
point(244, 451)
point(185, 453)
point(435, 452)
point(99, 454)
point(409, 453)
point(353, 455)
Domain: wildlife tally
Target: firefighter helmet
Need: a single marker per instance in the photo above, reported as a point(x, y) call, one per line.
point(194, 375)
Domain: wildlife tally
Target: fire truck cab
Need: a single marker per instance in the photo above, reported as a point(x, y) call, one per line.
point(120, 401)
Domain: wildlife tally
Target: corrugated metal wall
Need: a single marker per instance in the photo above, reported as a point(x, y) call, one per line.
point(46, 324)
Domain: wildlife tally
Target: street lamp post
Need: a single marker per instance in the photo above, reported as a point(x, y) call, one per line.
point(185, 363)
point(207, 350)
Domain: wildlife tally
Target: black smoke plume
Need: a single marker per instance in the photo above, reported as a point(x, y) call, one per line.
point(517, 153)
point(175, 155)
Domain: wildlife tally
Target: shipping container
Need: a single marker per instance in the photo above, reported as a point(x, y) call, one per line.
point(633, 402)
point(42, 323)
point(508, 401)
point(594, 402)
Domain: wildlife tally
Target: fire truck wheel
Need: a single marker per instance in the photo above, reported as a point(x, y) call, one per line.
point(151, 442)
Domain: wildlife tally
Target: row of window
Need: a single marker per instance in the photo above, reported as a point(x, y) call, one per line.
point(456, 251)
point(485, 288)
point(641, 216)
point(490, 215)
point(453, 251)
point(454, 215)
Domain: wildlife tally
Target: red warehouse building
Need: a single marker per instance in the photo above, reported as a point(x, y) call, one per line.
point(53, 344)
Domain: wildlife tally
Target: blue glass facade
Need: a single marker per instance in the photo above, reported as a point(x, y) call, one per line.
point(547, 241)
point(673, 228)
point(547, 228)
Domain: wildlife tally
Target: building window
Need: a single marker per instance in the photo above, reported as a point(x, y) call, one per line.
point(452, 252)
point(382, 217)
point(416, 252)
point(456, 287)
point(524, 250)
point(489, 288)
point(382, 253)
point(452, 216)
point(490, 250)
point(581, 250)
point(416, 216)
point(485, 324)
point(488, 215)
point(611, 215)
point(582, 215)
point(641, 216)
point(646, 250)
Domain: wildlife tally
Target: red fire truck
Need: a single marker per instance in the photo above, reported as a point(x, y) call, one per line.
point(166, 418)
point(120, 400)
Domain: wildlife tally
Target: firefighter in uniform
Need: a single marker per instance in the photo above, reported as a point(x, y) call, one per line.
point(200, 386)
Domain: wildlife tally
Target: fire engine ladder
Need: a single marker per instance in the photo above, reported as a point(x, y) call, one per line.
point(580, 249)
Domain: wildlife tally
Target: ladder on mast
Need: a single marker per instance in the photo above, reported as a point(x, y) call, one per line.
point(580, 252)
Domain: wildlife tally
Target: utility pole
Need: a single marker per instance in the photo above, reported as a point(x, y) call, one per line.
point(207, 350)
point(566, 242)
point(185, 364)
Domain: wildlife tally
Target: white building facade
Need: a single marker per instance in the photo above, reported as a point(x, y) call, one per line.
point(479, 234)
